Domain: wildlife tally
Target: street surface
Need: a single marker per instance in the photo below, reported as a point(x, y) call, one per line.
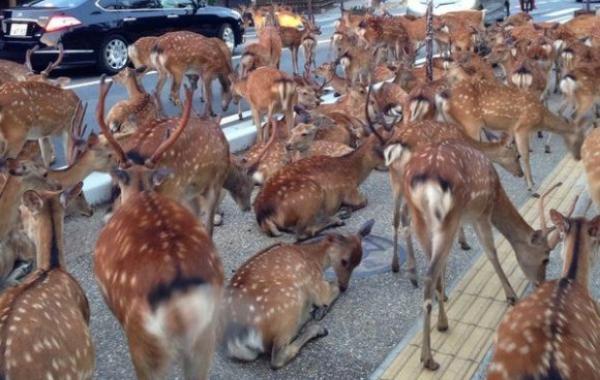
point(375, 313)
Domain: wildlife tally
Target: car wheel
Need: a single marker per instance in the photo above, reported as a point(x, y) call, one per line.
point(227, 35)
point(113, 54)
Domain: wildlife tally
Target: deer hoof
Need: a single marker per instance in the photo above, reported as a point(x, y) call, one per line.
point(535, 195)
point(322, 332)
point(465, 246)
point(396, 267)
point(442, 326)
point(430, 364)
point(319, 312)
point(547, 149)
point(511, 300)
point(412, 276)
point(540, 135)
point(218, 220)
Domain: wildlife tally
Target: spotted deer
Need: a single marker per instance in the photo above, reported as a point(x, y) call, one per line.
point(264, 160)
point(421, 130)
point(267, 90)
point(315, 190)
point(476, 103)
point(553, 333)
point(182, 54)
point(139, 109)
point(265, 52)
point(293, 38)
point(44, 321)
point(591, 162)
point(328, 72)
point(579, 87)
point(140, 52)
point(442, 194)
point(389, 32)
point(302, 142)
point(274, 297)
point(12, 71)
point(156, 265)
point(198, 171)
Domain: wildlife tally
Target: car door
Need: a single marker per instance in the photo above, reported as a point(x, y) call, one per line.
point(179, 14)
point(142, 18)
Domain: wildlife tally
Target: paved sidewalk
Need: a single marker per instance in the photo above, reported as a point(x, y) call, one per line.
point(477, 303)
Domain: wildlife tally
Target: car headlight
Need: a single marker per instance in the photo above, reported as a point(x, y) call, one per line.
point(236, 13)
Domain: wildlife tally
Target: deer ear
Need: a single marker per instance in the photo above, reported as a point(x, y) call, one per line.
point(559, 221)
point(33, 201)
point(594, 229)
point(365, 229)
point(160, 175)
point(121, 175)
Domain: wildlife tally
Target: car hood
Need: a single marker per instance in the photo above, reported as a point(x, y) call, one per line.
point(221, 11)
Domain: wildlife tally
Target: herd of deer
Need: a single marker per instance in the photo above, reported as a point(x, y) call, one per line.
point(155, 262)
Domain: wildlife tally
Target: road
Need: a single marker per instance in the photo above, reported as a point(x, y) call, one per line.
point(375, 313)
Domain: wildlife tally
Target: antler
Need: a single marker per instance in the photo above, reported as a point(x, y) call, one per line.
point(28, 58)
point(104, 88)
point(370, 123)
point(185, 117)
point(544, 227)
point(78, 130)
point(55, 64)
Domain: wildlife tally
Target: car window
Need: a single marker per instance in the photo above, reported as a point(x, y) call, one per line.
point(176, 3)
point(55, 3)
point(129, 4)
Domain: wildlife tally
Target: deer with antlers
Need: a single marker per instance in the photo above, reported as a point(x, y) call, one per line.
point(475, 103)
point(140, 109)
point(442, 194)
point(172, 307)
point(269, 309)
point(553, 333)
point(44, 322)
point(293, 38)
point(198, 171)
point(180, 54)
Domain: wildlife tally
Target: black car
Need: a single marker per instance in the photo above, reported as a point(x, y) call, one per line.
point(99, 31)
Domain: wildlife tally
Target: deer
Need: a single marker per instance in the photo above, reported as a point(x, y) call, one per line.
point(267, 90)
point(198, 171)
point(181, 54)
point(579, 87)
point(302, 142)
point(582, 25)
point(270, 312)
point(264, 160)
point(34, 110)
point(441, 196)
point(239, 185)
point(169, 310)
point(265, 52)
point(309, 47)
point(388, 32)
point(293, 38)
point(476, 103)
point(553, 332)
point(139, 109)
point(327, 71)
point(335, 126)
point(590, 163)
point(140, 52)
point(45, 320)
point(304, 196)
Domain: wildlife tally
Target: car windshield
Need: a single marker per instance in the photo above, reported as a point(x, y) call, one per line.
point(55, 3)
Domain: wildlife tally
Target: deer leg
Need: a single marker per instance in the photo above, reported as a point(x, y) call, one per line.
point(175, 86)
point(218, 220)
point(208, 111)
point(442, 324)
point(411, 261)
point(355, 200)
point(547, 144)
point(483, 229)
point(200, 78)
point(210, 201)
point(148, 356)
point(196, 362)
point(294, 53)
point(257, 123)
point(584, 104)
point(47, 150)
point(462, 239)
point(522, 140)
point(283, 353)
point(397, 206)
point(160, 84)
point(324, 296)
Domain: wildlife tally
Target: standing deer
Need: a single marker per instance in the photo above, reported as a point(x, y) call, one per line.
point(293, 38)
point(199, 171)
point(591, 162)
point(157, 267)
point(44, 322)
point(442, 194)
point(265, 52)
point(140, 52)
point(273, 297)
point(476, 103)
point(553, 333)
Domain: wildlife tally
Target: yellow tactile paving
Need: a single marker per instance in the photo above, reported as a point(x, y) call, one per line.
point(477, 303)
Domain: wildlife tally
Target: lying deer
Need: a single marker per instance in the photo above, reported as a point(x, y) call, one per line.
point(157, 267)
point(139, 109)
point(442, 194)
point(45, 320)
point(270, 312)
point(553, 333)
point(302, 142)
point(304, 196)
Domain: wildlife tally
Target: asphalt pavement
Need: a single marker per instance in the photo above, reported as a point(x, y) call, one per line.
point(375, 313)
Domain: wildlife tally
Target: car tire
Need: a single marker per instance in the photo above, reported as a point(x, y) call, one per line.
point(227, 34)
point(112, 55)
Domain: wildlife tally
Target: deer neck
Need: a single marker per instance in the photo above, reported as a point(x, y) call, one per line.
point(72, 175)
point(360, 162)
point(556, 124)
point(10, 198)
point(134, 89)
point(509, 222)
point(316, 254)
point(49, 235)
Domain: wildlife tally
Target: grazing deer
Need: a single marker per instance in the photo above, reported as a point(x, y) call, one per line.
point(239, 185)
point(140, 109)
point(304, 196)
point(442, 194)
point(268, 90)
point(140, 52)
point(33, 110)
point(476, 103)
point(591, 162)
point(199, 171)
point(270, 310)
point(553, 333)
point(156, 265)
point(177, 55)
point(293, 38)
point(44, 322)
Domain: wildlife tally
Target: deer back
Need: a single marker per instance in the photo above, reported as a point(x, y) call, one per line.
point(139, 52)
